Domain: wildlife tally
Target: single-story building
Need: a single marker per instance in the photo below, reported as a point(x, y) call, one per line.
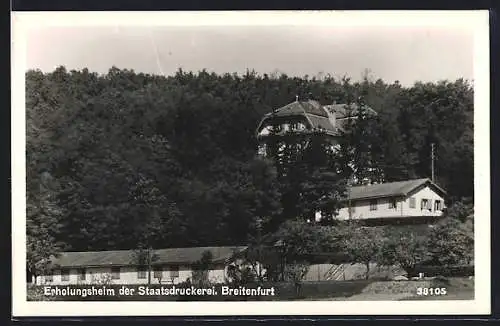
point(401, 199)
point(169, 266)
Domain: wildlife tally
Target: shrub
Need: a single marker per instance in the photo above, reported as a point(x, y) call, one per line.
point(451, 243)
point(403, 249)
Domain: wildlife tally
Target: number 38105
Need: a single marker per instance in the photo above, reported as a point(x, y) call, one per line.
point(431, 291)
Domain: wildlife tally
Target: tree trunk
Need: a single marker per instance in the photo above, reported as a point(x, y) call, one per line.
point(297, 289)
point(367, 270)
point(149, 266)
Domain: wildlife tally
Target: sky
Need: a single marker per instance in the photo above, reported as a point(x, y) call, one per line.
point(405, 53)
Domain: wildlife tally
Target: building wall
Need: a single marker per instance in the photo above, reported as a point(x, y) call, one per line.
point(130, 275)
point(284, 127)
point(403, 209)
point(424, 193)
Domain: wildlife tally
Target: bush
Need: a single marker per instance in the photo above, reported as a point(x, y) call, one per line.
point(35, 293)
point(403, 249)
point(443, 271)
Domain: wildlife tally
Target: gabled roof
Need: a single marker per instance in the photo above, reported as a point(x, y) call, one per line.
point(342, 111)
point(391, 189)
point(300, 108)
point(319, 117)
point(314, 113)
point(129, 257)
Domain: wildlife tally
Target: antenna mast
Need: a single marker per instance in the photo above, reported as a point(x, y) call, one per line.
point(432, 161)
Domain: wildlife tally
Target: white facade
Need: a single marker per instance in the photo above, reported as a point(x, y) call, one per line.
point(128, 275)
point(424, 202)
point(282, 128)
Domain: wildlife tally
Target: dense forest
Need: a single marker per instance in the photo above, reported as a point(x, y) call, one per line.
point(125, 159)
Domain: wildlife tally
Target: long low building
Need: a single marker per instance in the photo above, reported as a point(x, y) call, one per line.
point(410, 199)
point(169, 266)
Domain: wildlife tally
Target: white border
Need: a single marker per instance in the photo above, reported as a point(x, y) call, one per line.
point(481, 305)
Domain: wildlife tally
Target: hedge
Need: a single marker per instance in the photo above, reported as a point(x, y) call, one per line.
point(447, 271)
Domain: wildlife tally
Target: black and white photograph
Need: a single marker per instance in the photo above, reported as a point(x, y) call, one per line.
point(250, 163)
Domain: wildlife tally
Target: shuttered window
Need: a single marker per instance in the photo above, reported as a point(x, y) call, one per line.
point(141, 272)
point(82, 275)
point(413, 202)
point(115, 273)
point(158, 272)
point(65, 275)
point(174, 271)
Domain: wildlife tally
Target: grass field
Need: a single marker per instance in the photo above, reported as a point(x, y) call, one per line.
point(457, 289)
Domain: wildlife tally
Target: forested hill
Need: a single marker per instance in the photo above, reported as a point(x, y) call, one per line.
point(123, 158)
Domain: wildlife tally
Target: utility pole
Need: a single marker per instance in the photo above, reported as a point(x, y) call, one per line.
point(432, 161)
point(349, 186)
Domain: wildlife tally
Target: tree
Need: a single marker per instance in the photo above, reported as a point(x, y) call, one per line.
point(186, 143)
point(403, 249)
point(201, 269)
point(364, 245)
point(43, 218)
point(297, 241)
point(451, 242)
point(460, 210)
point(144, 257)
point(296, 273)
point(309, 174)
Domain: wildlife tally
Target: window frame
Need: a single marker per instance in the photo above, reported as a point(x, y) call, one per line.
point(437, 203)
point(140, 270)
point(173, 271)
point(373, 205)
point(65, 274)
point(115, 272)
point(422, 206)
point(158, 271)
point(49, 277)
point(413, 202)
point(82, 274)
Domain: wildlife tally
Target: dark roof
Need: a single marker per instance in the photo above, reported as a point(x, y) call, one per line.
point(311, 110)
point(390, 189)
point(300, 108)
point(342, 111)
point(321, 123)
point(128, 257)
point(320, 117)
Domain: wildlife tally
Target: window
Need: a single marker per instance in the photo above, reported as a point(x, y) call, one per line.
point(438, 205)
point(65, 275)
point(82, 276)
point(158, 272)
point(174, 271)
point(393, 204)
point(373, 205)
point(413, 203)
point(142, 272)
point(425, 204)
point(115, 273)
point(49, 277)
